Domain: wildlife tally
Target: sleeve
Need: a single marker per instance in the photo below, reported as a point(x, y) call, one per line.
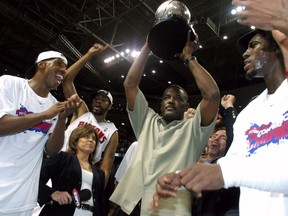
point(139, 114)
point(201, 133)
point(49, 169)
point(7, 100)
point(266, 174)
point(230, 115)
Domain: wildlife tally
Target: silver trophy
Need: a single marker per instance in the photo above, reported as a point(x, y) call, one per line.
point(168, 35)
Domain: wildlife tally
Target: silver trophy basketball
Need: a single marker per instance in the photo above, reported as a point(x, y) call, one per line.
point(168, 35)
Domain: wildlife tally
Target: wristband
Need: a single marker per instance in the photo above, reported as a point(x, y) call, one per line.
point(186, 61)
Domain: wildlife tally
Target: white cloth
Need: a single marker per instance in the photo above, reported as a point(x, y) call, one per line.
point(87, 181)
point(256, 160)
point(21, 154)
point(87, 178)
point(105, 131)
point(126, 161)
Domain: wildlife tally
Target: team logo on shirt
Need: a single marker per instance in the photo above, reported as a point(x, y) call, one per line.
point(42, 127)
point(266, 134)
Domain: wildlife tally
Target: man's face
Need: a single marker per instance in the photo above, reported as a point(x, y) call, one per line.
point(173, 104)
point(217, 143)
point(101, 104)
point(54, 71)
point(257, 57)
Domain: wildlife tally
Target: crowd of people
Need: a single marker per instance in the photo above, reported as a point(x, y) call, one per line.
point(68, 169)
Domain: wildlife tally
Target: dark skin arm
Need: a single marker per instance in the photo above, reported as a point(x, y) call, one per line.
point(133, 78)
point(109, 155)
point(14, 124)
point(56, 139)
point(263, 15)
point(10, 125)
point(209, 90)
point(68, 81)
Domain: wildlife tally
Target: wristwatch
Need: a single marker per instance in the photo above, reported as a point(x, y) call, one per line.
point(186, 61)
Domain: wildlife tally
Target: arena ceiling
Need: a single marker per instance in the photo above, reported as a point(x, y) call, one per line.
point(72, 26)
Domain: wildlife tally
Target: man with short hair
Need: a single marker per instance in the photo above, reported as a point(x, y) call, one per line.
point(31, 120)
point(217, 202)
point(257, 158)
point(165, 142)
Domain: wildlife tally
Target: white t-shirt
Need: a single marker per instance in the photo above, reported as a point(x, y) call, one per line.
point(105, 131)
point(257, 156)
point(126, 161)
point(21, 154)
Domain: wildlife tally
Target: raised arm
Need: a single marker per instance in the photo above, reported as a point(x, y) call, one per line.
point(56, 139)
point(230, 114)
point(206, 84)
point(134, 75)
point(68, 81)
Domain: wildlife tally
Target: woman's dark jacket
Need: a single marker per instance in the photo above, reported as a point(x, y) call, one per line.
point(65, 173)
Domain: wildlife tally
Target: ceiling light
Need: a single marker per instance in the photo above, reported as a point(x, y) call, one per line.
point(233, 11)
point(135, 53)
point(236, 10)
point(127, 54)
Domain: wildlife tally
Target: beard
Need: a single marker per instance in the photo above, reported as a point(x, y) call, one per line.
point(100, 112)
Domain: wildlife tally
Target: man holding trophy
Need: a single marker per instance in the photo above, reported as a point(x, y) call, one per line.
point(166, 142)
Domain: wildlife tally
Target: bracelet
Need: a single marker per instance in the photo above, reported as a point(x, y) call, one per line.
point(186, 61)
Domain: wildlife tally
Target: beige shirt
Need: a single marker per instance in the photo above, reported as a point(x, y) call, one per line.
point(162, 148)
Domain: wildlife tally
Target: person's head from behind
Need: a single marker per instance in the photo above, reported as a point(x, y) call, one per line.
point(102, 102)
point(50, 66)
point(84, 140)
point(261, 54)
point(174, 103)
point(217, 144)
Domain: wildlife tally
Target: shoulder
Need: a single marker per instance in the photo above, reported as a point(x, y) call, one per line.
point(8, 79)
point(110, 125)
point(52, 98)
point(60, 156)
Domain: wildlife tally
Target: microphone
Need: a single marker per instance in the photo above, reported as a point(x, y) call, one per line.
point(77, 197)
